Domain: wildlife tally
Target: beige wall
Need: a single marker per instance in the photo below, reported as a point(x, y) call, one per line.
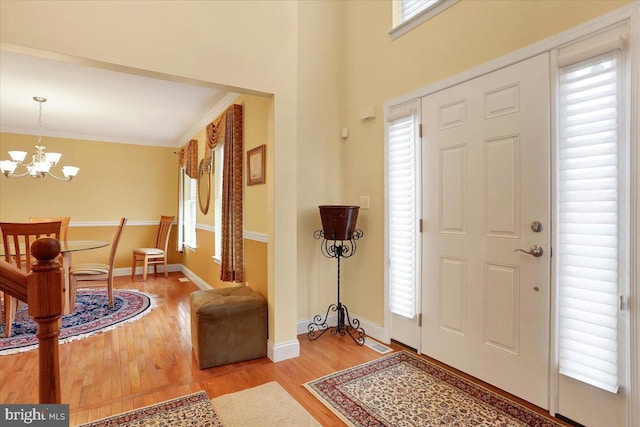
point(112, 183)
point(324, 61)
point(378, 69)
point(320, 100)
point(246, 46)
point(115, 180)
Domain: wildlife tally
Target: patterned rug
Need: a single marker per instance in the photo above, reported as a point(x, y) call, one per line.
point(92, 315)
point(404, 390)
point(194, 410)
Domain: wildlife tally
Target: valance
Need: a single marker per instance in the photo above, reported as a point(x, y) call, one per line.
point(189, 158)
point(215, 134)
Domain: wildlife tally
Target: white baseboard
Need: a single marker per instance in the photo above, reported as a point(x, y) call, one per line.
point(283, 351)
point(126, 271)
point(371, 329)
point(194, 278)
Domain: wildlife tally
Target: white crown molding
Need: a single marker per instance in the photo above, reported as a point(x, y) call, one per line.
point(113, 140)
point(210, 116)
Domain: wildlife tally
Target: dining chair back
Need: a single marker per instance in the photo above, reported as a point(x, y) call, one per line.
point(64, 223)
point(92, 274)
point(16, 241)
point(156, 255)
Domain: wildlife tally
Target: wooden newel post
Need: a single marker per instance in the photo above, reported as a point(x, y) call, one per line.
point(45, 301)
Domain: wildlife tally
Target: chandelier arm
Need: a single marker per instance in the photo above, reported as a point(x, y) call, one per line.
point(57, 178)
point(14, 175)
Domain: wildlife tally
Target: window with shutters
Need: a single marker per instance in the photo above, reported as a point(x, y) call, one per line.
point(591, 215)
point(408, 14)
point(189, 194)
point(403, 210)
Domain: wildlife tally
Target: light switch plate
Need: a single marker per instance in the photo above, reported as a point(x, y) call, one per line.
point(364, 202)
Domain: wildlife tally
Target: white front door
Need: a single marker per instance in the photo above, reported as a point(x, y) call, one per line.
point(485, 195)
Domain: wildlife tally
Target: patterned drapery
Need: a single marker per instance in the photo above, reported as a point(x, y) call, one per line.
point(189, 158)
point(215, 135)
point(227, 129)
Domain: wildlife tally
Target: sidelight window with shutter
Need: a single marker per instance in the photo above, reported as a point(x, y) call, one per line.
point(403, 215)
point(591, 211)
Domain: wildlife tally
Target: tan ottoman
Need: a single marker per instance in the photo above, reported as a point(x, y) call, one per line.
point(228, 325)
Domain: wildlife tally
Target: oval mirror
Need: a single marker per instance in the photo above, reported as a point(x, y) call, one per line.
point(204, 184)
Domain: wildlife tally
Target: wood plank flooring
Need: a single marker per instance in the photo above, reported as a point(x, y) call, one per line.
point(150, 360)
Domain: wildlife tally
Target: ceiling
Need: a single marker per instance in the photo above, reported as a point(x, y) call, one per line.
point(98, 104)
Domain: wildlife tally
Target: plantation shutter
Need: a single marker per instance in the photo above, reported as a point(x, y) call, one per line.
point(402, 207)
point(589, 214)
point(410, 8)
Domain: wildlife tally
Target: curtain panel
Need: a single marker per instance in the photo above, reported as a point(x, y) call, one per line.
point(227, 130)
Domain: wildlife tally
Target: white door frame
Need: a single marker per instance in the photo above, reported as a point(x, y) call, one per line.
point(630, 14)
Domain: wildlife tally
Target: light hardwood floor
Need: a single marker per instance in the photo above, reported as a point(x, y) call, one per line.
point(150, 360)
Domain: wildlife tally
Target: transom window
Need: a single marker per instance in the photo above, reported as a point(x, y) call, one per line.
point(408, 14)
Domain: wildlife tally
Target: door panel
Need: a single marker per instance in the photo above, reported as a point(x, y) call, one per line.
point(485, 180)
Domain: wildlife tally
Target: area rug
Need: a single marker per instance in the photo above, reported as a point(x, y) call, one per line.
point(91, 315)
point(404, 390)
point(267, 405)
point(194, 410)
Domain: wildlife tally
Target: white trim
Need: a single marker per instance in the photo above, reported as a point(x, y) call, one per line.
point(249, 235)
point(283, 351)
point(195, 278)
point(254, 235)
point(553, 42)
point(206, 227)
point(634, 204)
point(217, 109)
point(554, 367)
point(420, 18)
point(112, 223)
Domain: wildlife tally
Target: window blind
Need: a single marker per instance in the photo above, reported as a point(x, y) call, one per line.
point(190, 208)
point(410, 8)
point(402, 199)
point(588, 220)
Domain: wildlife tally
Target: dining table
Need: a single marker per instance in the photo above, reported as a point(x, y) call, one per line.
point(67, 248)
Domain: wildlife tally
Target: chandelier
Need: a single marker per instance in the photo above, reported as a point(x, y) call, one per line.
point(41, 162)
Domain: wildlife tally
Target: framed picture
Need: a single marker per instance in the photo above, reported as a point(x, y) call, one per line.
point(255, 165)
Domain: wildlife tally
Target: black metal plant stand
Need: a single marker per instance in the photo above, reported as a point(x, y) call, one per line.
point(332, 248)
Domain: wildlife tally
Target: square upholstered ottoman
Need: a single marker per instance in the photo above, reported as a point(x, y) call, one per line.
point(228, 325)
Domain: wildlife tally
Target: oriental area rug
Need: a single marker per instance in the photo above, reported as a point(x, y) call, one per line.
point(194, 410)
point(266, 405)
point(91, 315)
point(404, 390)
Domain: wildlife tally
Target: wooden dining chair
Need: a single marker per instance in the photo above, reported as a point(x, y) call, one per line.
point(90, 274)
point(16, 241)
point(64, 223)
point(156, 255)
